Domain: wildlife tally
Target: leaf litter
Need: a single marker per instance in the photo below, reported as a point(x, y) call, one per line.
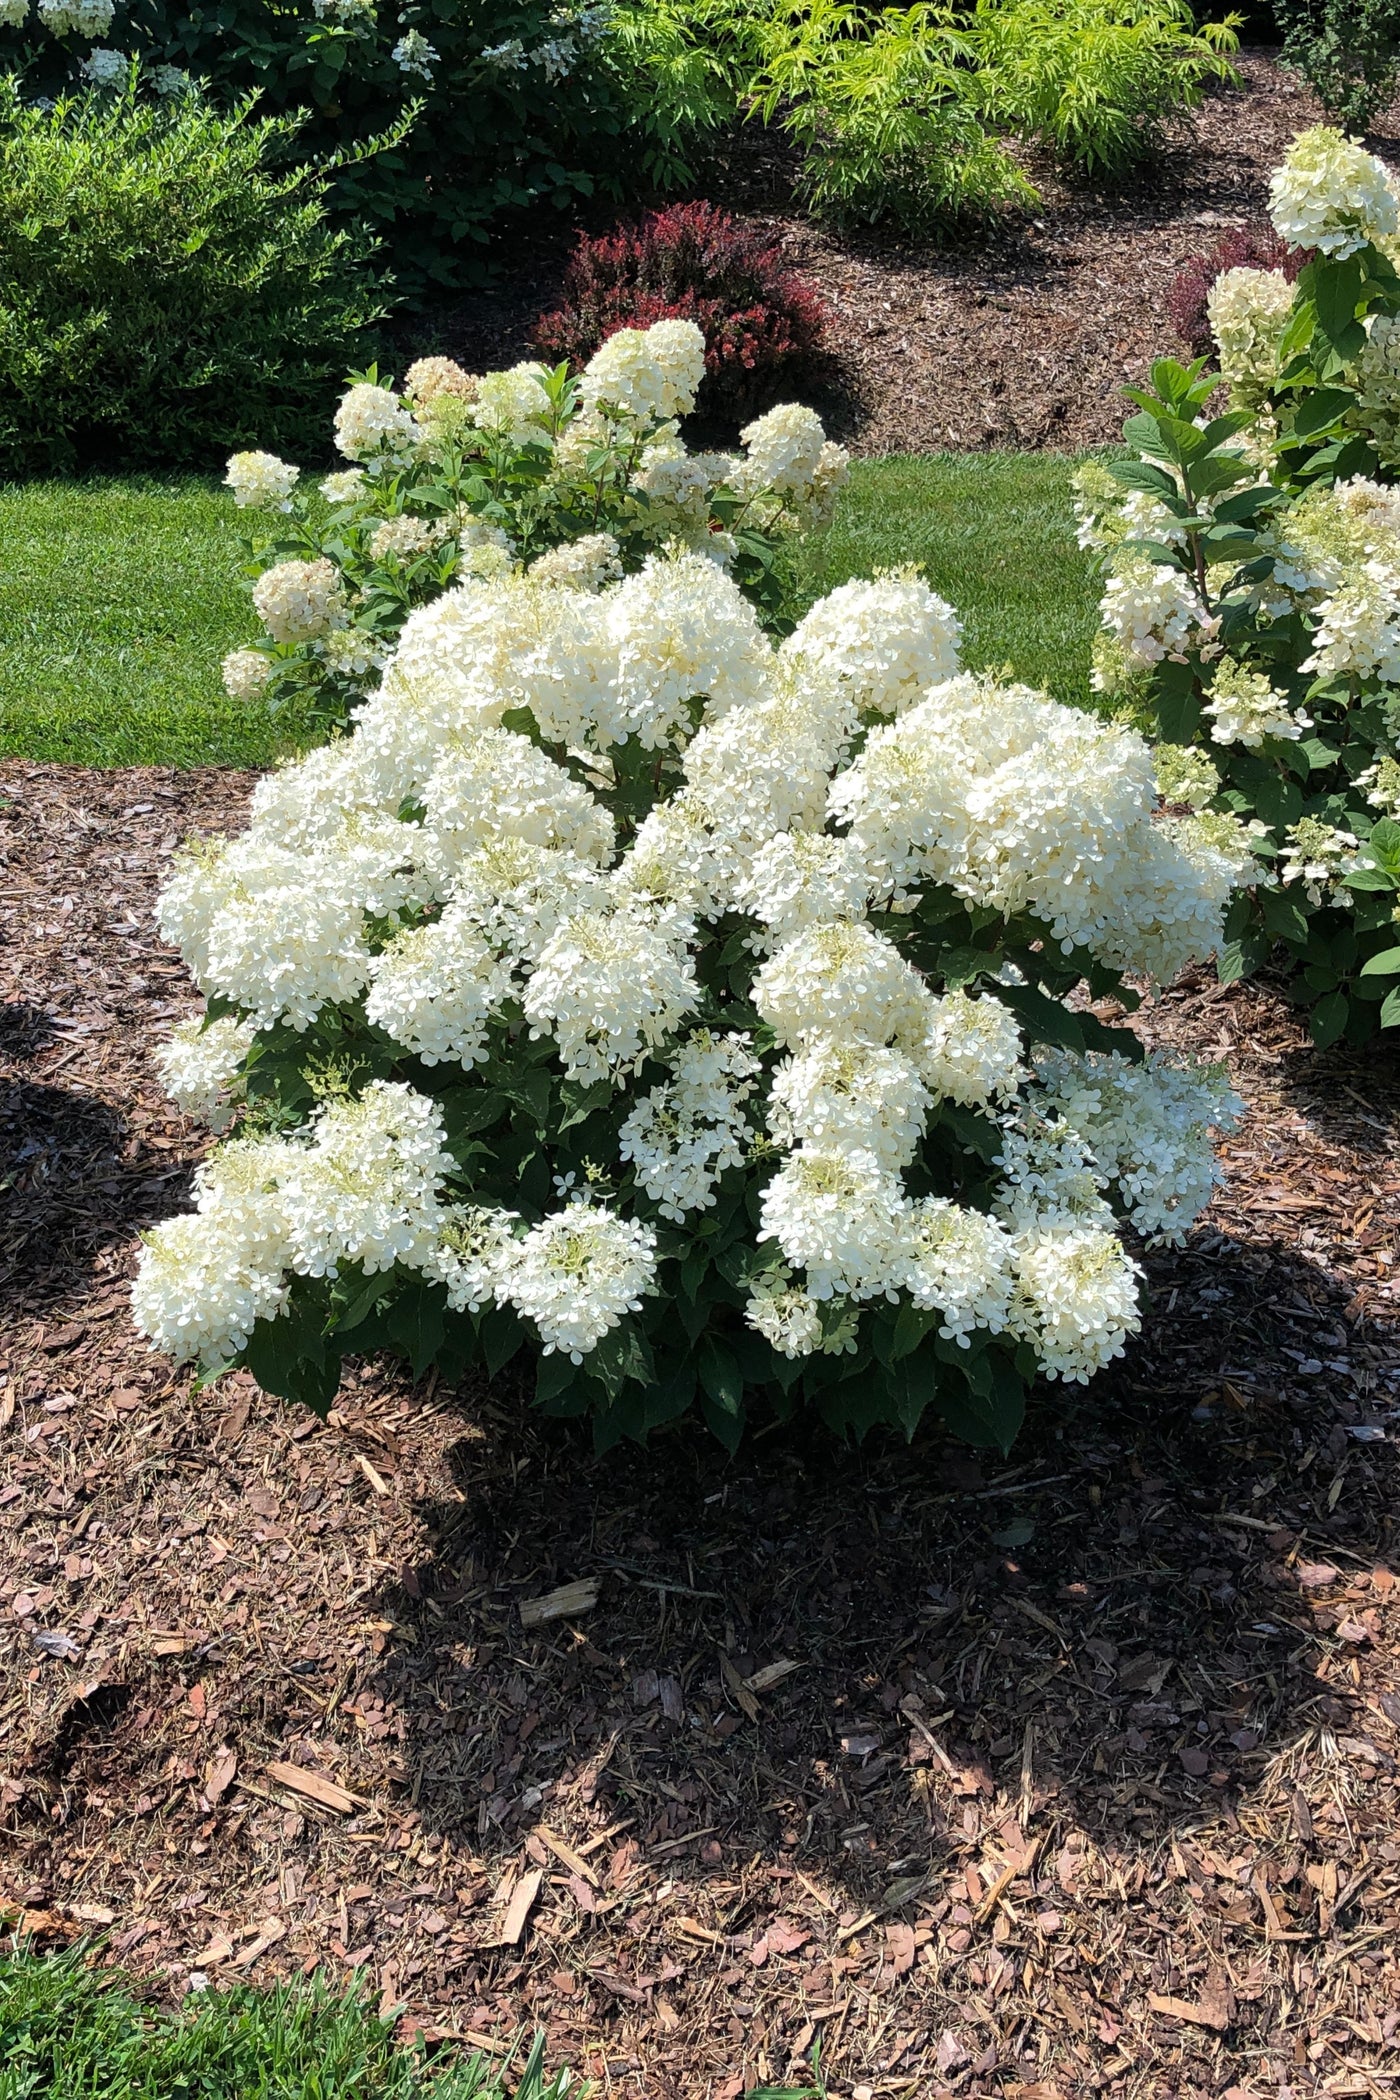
point(1071, 1772)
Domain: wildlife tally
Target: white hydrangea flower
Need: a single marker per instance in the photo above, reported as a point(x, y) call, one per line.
point(683, 1135)
point(609, 986)
point(577, 1273)
point(579, 565)
point(345, 486)
point(1244, 707)
point(520, 893)
point(491, 784)
point(649, 374)
point(1148, 1127)
point(90, 18)
point(200, 1289)
point(1185, 775)
point(1381, 785)
point(1049, 1173)
point(970, 1051)
point(104, 69)
point(783, 452)
point(513, 405)
point(1317, 855)
point(840, 1216)
point(366, 1189)
point(790, 1319)
point(13, 13)
point(199, 1063)
point(402, 537)
point(434, 989)
point(852, 1095)
point(1222, 848)
point(370, 420)
point(839, 981)
point(677, 486)
point(1330, 194)
point(1076, 1298)
point(1152, 611)
point(802, 878)
point(299, 600)
point(960, 1263)
point(1358, 628)
point(475, 1248)
point(683, 633)
point(1247, 310)
point(261, 480)
point(246, 673)
point(1377, 380)
point(170, 80)
point(428, 379)
point(414, 54)
point(891, 639)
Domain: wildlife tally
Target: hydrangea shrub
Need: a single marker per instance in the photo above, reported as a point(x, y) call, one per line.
point(690, 1014)
point(1252, 603)
point(565, 475)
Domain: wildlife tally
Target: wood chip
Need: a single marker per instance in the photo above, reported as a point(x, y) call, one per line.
point(522, 1902)
point(575, 1863)
point(569, 1601)
point(743, 1697)
point(315, 1787)
point(772, 1673)
point(1209, 2015)
point(376, 1480)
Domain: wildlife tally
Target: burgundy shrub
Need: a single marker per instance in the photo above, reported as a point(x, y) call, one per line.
point(1245, 248)
point(691, 262)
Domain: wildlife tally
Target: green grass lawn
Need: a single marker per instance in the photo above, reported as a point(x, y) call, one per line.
point(119, 598)
point(68, 2032)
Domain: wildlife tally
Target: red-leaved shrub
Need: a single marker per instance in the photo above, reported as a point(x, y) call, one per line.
point(690, 263)
point(1246, 248)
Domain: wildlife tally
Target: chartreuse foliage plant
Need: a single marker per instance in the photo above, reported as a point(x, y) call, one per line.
point(70, 2031)
point(1253, 596)
point(687, 1016)
point(167, 288)
point(571, 475)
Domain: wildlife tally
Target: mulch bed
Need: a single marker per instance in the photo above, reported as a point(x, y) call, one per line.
point(1019, 339)
point(1072, 1773)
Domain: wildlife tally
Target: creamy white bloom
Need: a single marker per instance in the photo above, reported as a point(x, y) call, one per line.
point(649, 374)
point(1244, 707)
point(347, 485)
point(1317, 855)
point(577, 1273)
point(513, 404)
point(791, 1319)
point(687, 641)
point(801, 878)
point(299, 600)
point(1152, 611)
point(970, 1050)
point(853, 1095)
point(77, 17)
point(1076, 1298)
point(261, 479)
point(370, 420)
point(683, 1135)
point(1247, 311)
point(839, 981)
point(1330, 194)
point(402, 537)
point(245, 673)
point(1185, 775)
point(579, 565)
point(474, 1249)
point(200, 1062)
point(960, 1263)
point(891, 639)
point(609, 986)
point(200, 1290)
point(430, 378)
point(1377, 381)
point(434, 988)
point(13, 13)
point(366, 1189)
point(840, 1216)
point(491, 784)
point(104, 68)
point(783, 452)
point(170, 80)
point(414, 54)
point(1358, 628)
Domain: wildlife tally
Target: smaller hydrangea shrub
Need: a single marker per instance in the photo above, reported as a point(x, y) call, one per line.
point(1252, 603)
point(688, 1015)
point(691, 262)
point(565, 476)
point(1243, 248)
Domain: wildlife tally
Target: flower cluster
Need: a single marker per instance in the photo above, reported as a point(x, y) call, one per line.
point(1330, 194)
point(577, 479)
point(631, 986)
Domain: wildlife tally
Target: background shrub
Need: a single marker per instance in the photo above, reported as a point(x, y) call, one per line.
point(1244, 248)
point(434, 118)
point(690, 263)
point(1348, 51)
point(1092, 80)
point(163, 293)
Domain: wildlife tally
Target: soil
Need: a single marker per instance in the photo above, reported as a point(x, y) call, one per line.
point(1022, 340)
point(1068, 1773)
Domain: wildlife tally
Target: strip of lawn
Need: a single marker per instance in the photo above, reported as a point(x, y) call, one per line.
point(118, 599)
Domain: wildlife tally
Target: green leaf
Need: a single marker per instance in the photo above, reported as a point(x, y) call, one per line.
point(989, 1413)
point(414, 1323)
point(553, 1377)
point(720, 1377)
point(910, 1328)
point(1045, 1020)
point(1386, 964)
point(1390, 1009)
point(1318, 410)
point(1283, 915)
point(729, 1428)
point(501, 1336)
point(1329, 1018)
point(1336, 292)
point(1139, 474)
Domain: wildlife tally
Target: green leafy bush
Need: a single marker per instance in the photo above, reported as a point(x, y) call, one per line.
point(1253, 600)
point(1092, 80)
point(431, 119)
point(575, 477)
point(163, 293)
point(1348, 51)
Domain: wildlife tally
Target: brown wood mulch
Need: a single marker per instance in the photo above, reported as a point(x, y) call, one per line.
point(1072, 1773)
point(1021, 338)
